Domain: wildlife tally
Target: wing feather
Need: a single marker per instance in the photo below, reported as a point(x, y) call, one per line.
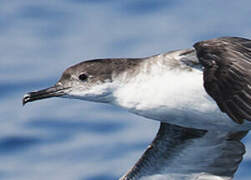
point(179, 153)
point(227, 74)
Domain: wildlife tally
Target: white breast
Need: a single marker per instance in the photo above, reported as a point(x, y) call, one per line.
point(171, 95)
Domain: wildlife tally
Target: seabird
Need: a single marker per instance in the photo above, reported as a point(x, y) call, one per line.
point(201, 96)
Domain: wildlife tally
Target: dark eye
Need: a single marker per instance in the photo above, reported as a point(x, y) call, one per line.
point(83, 77)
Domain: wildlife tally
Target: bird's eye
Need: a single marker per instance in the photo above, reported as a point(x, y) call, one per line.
point(83, 77)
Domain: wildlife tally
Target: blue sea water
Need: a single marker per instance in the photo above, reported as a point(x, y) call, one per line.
point(70, 139)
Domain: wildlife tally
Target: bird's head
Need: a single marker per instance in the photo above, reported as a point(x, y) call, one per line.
point(93, 80)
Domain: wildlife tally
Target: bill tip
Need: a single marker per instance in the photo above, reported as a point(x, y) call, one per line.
point(26, 99)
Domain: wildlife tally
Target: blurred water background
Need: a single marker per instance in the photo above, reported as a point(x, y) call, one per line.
point(75, 140)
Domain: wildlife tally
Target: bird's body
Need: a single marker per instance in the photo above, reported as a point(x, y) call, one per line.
point(201, 96)
point(167, 90)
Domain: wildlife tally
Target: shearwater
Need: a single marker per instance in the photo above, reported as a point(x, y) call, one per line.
point(201, 96)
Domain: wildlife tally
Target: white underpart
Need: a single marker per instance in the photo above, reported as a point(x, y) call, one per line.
point(175, 96)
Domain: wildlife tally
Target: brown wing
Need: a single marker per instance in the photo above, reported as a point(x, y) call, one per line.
point(227, 74)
